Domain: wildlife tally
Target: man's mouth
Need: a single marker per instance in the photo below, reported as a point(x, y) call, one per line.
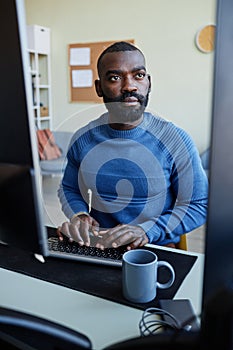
point(130, 101)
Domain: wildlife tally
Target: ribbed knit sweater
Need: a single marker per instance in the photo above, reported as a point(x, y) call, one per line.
point(150, 176)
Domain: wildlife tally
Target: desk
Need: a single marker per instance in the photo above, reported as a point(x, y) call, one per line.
point(104, 322)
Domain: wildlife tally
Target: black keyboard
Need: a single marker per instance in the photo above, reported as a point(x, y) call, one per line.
point(91, 254)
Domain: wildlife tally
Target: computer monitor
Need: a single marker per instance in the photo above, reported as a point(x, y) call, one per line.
point(21, 219)
point(21, 212)
point(218, 270)
point(217, 296)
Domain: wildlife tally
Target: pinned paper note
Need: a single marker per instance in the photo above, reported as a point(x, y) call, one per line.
point(82, 78)
point(80, 56)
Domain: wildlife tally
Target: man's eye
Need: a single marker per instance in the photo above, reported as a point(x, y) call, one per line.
point(114, 78)
point(140, 75)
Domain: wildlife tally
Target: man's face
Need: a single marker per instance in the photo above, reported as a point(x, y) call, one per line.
point(124, 85)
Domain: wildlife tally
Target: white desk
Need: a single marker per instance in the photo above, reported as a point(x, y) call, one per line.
point(104, 322)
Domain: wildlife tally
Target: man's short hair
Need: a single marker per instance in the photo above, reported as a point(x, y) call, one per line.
point(117, 47)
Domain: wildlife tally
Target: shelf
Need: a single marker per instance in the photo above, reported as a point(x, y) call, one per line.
point(39, 59)
point(44, 118)
point(44, 86)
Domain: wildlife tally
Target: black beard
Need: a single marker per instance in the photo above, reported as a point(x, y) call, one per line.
point(125, 114)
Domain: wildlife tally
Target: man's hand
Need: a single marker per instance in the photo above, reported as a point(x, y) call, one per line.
point(123, 234)
point(78, 229)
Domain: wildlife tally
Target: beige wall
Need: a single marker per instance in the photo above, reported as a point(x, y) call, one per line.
point(163, 29)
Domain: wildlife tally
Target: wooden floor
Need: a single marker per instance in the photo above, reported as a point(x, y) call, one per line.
point(54, 215)
point(196, 240)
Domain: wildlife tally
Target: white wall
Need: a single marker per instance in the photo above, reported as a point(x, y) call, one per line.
point(163, 29)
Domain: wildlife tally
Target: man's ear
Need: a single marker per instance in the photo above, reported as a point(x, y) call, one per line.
point(98, 88)
point(149, 78)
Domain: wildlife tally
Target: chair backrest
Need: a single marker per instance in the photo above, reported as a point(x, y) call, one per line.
point(183, 243)
point(19, 330)
point(172, 340)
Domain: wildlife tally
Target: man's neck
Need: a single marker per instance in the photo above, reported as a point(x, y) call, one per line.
point(126, 126)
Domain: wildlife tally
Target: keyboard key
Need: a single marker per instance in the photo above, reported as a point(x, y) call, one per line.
point(112, 256)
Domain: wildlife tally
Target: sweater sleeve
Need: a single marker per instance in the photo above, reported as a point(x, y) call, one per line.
point(72, 196)
point(190, 186)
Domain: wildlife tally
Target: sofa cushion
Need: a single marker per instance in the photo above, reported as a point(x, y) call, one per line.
point(53, 165)
point(57, 166)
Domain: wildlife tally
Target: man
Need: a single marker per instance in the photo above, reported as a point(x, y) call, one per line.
point(144, 173)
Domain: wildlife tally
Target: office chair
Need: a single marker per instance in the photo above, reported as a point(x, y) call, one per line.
point(161, 341)
point(19, 330)
point(182, 244)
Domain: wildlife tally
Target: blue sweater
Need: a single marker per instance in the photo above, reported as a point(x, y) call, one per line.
point(150, 176)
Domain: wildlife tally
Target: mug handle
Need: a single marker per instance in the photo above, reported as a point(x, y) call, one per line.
point(172, 278)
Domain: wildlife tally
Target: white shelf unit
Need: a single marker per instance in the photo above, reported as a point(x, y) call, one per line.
point(39, 57)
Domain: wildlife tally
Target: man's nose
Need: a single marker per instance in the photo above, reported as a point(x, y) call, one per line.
point(128, 85)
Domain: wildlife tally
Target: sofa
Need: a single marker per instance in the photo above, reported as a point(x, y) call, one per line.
point(205, 160)
point(62, 138)
point(55, 167)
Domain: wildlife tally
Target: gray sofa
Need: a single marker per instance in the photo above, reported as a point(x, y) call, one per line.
point(205, 160)
point(56, 167)
point(62, 138)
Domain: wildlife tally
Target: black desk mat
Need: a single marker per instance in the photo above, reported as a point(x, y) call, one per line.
point(97, 280)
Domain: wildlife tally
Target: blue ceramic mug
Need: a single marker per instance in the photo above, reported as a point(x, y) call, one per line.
point(139, 275)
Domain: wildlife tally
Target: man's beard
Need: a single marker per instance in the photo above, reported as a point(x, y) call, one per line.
point(121, 113)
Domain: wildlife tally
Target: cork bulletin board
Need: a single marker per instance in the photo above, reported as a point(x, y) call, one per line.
point(82, 61)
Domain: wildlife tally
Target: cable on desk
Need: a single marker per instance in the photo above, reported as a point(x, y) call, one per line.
point(149, 325)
